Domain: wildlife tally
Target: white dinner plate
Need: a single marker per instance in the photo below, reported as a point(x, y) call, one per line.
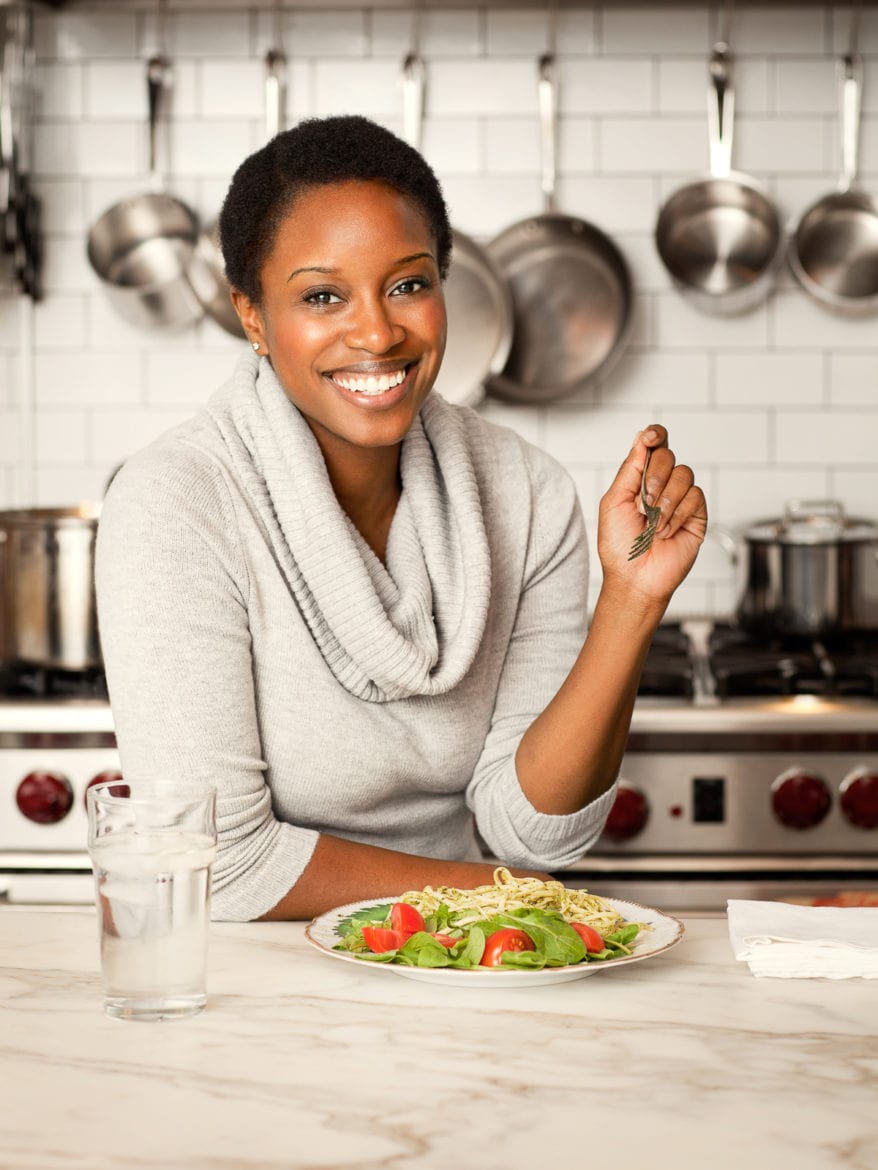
point(666, 932)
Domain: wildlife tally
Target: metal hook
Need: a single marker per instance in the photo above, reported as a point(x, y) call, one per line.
point(725, 27)
point(854, 35)
point(552, 29)
point(417, 26)
point(161, 34)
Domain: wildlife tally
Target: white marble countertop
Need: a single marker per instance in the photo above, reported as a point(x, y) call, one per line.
point(685, 1061)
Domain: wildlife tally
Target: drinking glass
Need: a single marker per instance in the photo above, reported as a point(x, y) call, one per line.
point(151, 846)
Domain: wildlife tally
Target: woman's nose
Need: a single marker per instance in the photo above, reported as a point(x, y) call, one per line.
point(374, 329)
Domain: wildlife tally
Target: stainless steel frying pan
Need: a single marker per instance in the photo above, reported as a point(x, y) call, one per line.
point(721, 237)
point(477, 299)
point(571, 288)
point(208, 270)
point(834, 248)
point(141, 247)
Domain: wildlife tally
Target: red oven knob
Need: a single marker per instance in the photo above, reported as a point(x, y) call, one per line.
point(108, 776)
point(800, 800)
point(859, 799)
point(629, 813)
point(44, 797)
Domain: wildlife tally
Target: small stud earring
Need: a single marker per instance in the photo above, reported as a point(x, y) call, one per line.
point(255, 345)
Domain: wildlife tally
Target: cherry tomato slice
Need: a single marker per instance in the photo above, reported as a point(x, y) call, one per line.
point(505, 940)
point(379, 939)
point(591, 938)
point(446, 940)
point(405, 918)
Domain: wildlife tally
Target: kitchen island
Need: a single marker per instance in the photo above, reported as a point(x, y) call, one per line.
point(683, 1061)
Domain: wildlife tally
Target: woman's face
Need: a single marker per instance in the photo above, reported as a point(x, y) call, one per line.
point(352, 313)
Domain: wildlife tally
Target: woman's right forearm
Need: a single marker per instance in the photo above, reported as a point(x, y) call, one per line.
point(342, 871)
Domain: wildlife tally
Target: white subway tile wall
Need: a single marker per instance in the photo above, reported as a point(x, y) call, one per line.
point(779, 403)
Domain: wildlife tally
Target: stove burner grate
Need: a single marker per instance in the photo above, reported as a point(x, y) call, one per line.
point(744, 666)
point(18, 680)
point(668, 670)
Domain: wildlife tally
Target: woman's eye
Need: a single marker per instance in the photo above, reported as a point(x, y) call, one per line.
point(322, 296)
point(414, 284)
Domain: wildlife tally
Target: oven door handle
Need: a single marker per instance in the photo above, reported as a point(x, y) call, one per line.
point(47, 889)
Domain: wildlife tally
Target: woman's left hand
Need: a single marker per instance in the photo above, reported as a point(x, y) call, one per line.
point(680, 530)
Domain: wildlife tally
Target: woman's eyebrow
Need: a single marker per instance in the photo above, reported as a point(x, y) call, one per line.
point(334, 271)
point(415, 256)
point(313, 268)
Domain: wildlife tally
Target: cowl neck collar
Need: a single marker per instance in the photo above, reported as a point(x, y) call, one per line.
point(409, 627)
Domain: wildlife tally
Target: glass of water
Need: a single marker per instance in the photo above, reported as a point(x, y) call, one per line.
point(151, 847)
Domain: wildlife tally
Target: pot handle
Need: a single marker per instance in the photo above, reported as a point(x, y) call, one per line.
point(275, 85)
point(851, 104)
point(414, 82)
point(726, 541)
point(809, 509)
point(547, 94)
point(157, 70)
point(720, 111)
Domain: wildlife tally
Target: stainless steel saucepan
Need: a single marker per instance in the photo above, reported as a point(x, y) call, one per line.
point(571, 288)
point(208, 270)
point(141, 247)
point(477, 299)
point(720, 237)
point(834, 248)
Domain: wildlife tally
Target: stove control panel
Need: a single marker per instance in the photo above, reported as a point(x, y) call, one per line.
point(42, 795)
point(761, 803)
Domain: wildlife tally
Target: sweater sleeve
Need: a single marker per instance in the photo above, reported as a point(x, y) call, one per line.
point(548, 633)
point(172, 591)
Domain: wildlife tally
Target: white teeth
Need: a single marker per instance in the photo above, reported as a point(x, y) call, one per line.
point(370, 385)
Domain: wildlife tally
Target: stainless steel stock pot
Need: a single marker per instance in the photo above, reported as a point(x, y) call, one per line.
point(813, 571)
point(48, 614)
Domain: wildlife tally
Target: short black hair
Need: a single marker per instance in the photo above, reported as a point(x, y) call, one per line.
point(317, 152)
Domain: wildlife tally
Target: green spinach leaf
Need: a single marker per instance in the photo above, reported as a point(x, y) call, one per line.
point(361, 917)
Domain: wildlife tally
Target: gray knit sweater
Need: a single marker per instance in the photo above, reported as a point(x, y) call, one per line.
point(253, 640)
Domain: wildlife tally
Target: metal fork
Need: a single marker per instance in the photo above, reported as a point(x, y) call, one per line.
point(643, 542)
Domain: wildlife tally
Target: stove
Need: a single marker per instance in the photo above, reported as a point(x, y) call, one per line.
point(751, 770)
point(56, 739)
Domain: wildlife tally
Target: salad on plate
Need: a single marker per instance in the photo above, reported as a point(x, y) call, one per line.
point(520, 924)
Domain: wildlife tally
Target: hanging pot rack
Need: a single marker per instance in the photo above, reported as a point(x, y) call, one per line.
point(20, 233)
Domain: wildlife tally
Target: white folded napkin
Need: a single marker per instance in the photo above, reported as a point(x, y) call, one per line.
point(805, 942)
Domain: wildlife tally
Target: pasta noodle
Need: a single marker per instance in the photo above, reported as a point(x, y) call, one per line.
point(511, 893)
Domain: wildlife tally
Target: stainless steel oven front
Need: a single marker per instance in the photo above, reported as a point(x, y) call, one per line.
point(744, 798)
point(50, 752)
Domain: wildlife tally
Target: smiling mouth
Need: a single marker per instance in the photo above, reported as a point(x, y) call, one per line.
point(370, 384)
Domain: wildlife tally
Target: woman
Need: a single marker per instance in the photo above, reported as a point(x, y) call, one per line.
point(356, 609)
